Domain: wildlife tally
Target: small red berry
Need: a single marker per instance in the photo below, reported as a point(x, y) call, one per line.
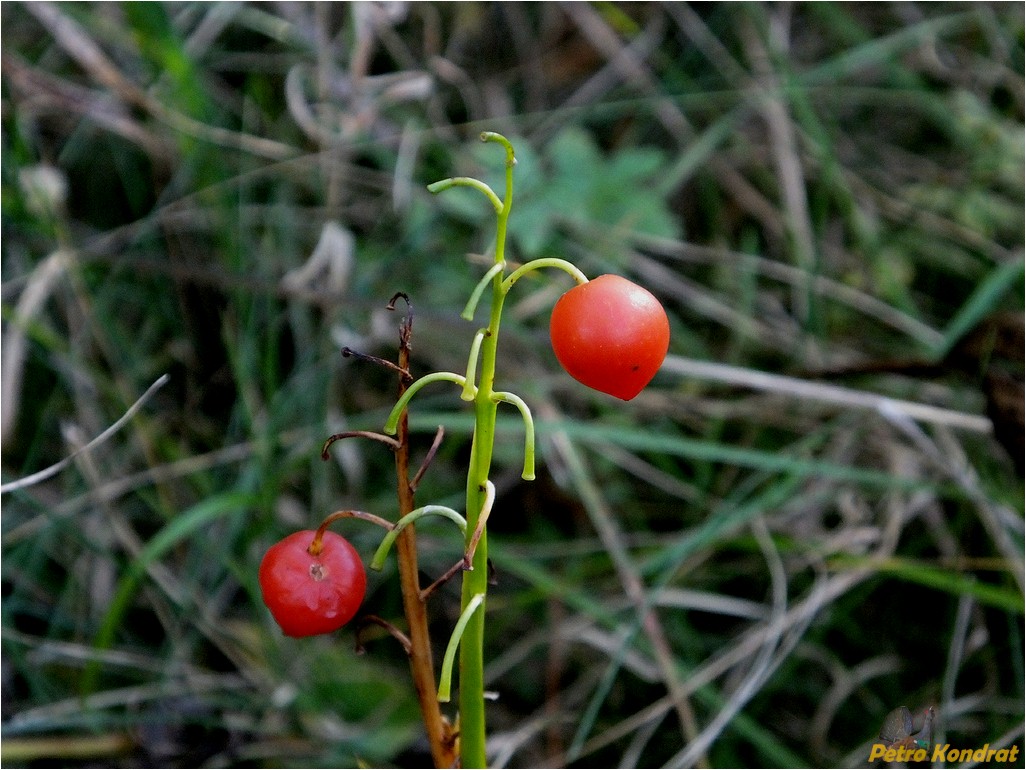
point(610, 334)
point(312, 593)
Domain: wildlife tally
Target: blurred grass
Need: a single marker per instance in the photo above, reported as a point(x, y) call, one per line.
point(229, 193)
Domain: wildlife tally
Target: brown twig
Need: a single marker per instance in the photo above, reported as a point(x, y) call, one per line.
point(439, 435)
point(374, 620)
point(350, 353)
point(421, 661)
point(418, 643)
point(455, 569)
point(387, 440)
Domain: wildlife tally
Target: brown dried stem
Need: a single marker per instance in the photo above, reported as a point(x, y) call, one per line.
point(418, 643)
point(350, 353)
point(455, 569)
point(374, 620)
point(439, 435)
point(387, 440)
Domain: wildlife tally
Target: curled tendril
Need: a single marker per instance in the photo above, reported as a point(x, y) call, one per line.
point(537, 264)
point(475, 297)
point(445, 680)
point(469, 388)
point(525, 413)
point(466, 181)
point(491, 136)
point(427, 510)
point(392, 423)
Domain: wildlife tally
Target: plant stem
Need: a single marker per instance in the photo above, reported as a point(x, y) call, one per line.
point(414, 604)
point(475, 581)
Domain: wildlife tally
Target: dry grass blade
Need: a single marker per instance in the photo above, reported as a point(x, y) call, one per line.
point(992, 516)
point(846, 681)
point(46, 94)
point(37, 289)
point(824, 286)
point(56, 468)
point(83, 49)
point(612, 539)
point(835, 395)
point(773, 651)
point(790, 174)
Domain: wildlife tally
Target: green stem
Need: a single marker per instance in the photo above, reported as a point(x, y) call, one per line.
point(469, 633)
point(475, 581)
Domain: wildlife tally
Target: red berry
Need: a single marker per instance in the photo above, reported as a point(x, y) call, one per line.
point(312, 594)
point(610, 334)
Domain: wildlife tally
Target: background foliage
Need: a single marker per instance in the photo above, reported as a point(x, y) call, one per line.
point(229, 192)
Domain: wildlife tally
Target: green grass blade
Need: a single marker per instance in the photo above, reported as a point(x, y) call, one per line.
point(177, 530)
point(947, 580)
point(982, 301)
